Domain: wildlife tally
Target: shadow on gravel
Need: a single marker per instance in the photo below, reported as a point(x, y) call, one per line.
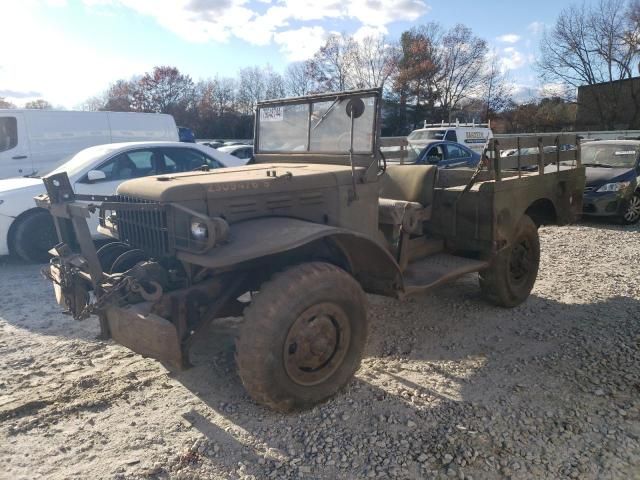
point(27, 302)
point(446, 384)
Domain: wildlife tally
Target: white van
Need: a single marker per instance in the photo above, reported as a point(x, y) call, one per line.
point(37, 141)
point(472, 135)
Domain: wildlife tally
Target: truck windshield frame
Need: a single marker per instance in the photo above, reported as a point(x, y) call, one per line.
point(316, 125)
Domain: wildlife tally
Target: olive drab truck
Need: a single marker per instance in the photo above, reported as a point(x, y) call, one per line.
point(293, 242)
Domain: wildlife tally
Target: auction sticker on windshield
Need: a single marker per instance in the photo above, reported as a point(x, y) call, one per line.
point(271, 114)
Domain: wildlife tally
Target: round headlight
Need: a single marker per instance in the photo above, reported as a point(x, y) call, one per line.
point(199, 230)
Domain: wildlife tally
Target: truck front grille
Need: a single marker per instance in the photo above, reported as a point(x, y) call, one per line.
point(143, 226)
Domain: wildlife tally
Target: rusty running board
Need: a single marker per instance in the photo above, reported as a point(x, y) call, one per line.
point(437, 269)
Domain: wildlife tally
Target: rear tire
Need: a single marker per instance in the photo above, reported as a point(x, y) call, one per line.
point(632, 213)
point(510, 278)
point(33, 237)
point(303, 337)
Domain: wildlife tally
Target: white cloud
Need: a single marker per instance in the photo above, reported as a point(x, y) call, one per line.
point(509, 38)
point(511, 59)
point(367, 31)
point(218, 20)
point(535, 27)
point(49, 64)
point(302, 43)
point(557, 89)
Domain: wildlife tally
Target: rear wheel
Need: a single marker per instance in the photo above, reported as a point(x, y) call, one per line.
point(303, 337)
point(510, 278)
point(33, 237)
point(632, 213)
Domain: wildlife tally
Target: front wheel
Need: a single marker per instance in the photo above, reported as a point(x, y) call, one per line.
point(632, 213)
point(303, 337)
point(34, 235)
point(510, 278)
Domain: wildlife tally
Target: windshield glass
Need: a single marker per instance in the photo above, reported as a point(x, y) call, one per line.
point(609, 155)
point(427, 135)
point(320, 126)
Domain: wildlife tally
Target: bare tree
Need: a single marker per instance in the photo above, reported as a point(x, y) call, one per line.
point(462, 66)
point(299, 79)
point(251, 88)
point(497, 92)
point(332, 64)
point(594, 44)
point(6, 104)
point(224, 95)
point(274, 85)
point(373, 61)
point(39, 104)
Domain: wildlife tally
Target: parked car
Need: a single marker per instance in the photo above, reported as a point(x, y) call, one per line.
point(613, 176)
point(241, 151)
point(474, 136)
point(28, 231)
point(443, 154)
point(34, 142)
point(212, 143)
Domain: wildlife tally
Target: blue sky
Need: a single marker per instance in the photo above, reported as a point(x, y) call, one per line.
point(68, 50)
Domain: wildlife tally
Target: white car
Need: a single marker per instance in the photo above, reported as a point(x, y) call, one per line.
point(243, 152)
point(28, 231)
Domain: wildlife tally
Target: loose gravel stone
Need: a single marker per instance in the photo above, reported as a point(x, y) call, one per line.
point(451, 387)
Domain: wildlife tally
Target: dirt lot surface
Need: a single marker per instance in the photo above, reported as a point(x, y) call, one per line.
point(451, 387)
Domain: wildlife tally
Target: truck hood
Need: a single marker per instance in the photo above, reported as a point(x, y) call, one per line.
point(232, 182)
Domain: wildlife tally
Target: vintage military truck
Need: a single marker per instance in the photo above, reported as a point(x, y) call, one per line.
point(294, 241)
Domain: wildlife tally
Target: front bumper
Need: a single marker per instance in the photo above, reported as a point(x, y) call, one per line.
point(605, 204)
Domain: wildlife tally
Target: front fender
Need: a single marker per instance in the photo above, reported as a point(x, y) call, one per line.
point(369, 261)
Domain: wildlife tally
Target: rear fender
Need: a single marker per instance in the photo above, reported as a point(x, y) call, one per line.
point(251, 240)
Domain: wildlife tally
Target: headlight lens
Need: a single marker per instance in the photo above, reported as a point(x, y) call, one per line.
point(198, 230)
point(613, 187)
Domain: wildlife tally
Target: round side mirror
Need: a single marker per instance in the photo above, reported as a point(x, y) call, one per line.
point(355, 107)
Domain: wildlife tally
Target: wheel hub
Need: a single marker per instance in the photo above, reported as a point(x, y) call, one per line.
point(316, 344)
point(633, 210)
point(520, 262)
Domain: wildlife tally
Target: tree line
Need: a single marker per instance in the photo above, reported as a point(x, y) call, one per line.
point(430, 73)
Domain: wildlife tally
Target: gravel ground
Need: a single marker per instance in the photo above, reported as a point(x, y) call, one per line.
point(451, 387)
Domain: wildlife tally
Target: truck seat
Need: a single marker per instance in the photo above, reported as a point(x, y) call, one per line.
point(406, 195)
point(410, 183)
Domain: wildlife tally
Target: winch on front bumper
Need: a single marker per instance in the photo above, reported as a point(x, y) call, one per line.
point(144, 302)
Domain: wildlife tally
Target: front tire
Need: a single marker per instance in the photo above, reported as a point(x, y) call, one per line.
point(632, 213)
point(33, 237)
point(303, 337)
point(510, 278)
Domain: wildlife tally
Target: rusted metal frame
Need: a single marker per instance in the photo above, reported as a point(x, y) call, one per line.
point(320, 97)
point(519, 164)
point(540, 156)
point(79, 215)
point(213, 311)
point(496, 160)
